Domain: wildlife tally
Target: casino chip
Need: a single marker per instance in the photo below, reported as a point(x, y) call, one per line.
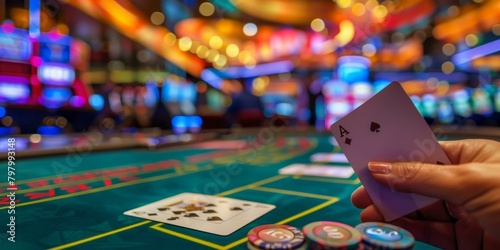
point(273, 236)
point(377, 235)
point(331, 235)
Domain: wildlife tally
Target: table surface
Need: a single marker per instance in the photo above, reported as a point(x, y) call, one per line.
point(76, 200)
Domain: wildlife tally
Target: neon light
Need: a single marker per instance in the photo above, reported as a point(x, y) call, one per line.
point(8, 27)
point(77, 101)
point(55, 97)
point(3, 112)
point(36, 61)
point(49, 130)
point(211, 78)
point(56, 74)
point(14, 44)
point(477, 52)
point(152, 94)
point(14, 92)
point(96, 101)
point(34, 22)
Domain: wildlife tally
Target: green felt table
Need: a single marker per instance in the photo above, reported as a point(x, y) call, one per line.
point(77, 200)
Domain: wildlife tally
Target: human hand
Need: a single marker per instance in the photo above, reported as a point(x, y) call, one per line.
point(468, 213)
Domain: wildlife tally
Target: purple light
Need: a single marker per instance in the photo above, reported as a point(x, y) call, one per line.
point(211, 78)
point(258, 70)
point(477, 52)
point(77, 101)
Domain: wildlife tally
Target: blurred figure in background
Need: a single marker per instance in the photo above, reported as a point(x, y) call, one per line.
point(246, 109)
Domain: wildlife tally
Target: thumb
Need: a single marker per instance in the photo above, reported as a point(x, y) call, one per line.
point(446, 182)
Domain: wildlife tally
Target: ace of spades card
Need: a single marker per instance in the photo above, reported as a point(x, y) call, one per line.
point(388, 128)
point(211, 214)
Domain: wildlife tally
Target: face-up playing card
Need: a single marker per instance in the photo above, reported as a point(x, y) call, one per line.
point(388, 128)
point(329, 157)
point(211, 214)
point(318, 170)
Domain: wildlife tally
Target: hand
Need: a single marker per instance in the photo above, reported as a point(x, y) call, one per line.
point(468, 213)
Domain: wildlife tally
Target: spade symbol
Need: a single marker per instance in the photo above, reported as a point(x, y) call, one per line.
point(235, 209)
point(375, 127)
point(178, 212)
point(191, 215)
point(210, 211)
point(152, 214)
point(214, 218)
point(210, 205)
point(139, 212)
point(348, 141)
point(173, 218)
point(162, 209)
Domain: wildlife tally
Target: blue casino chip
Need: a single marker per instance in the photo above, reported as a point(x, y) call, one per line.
point(377, 235)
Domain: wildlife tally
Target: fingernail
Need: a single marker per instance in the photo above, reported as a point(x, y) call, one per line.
point(379, 167)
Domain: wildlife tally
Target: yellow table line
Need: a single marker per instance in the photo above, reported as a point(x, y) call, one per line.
point(296, 193)
point(105, 188)
point(297, 216)
point(309, 211)
point(321, 179)
point(95, 237)
point(186, 237)
point(252, 185)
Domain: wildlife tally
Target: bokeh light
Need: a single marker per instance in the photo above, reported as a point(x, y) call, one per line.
point(215, 42)
point(317, 25)
point(207, 9)
point(449, 49)
point(344, 3)
point(232, 50)
point(471, 40)
point(358, 9)
point(447, 67)
point(185, 43)
point(157, 18)
point(250, 29)
point(369, 50)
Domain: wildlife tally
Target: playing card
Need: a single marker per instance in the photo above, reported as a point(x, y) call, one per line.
point(211, 214)
point(318, 170)
point(388, 128)
point(329, 157)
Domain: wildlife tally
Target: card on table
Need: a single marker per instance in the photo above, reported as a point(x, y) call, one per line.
point(211, 214)
point(318, 170)
point(329, 157)
point(388, 128)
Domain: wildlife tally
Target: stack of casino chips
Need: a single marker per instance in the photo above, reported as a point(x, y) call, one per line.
point(377, 235)
point(274, 236)
point(330, 235)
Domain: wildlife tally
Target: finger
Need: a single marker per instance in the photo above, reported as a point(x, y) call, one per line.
point(439, 234)
point(360, 198)
point(471, 150)
point(455, 183)
point(371, 213)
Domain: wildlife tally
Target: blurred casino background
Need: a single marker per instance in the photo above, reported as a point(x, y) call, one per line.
point(176, 66)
